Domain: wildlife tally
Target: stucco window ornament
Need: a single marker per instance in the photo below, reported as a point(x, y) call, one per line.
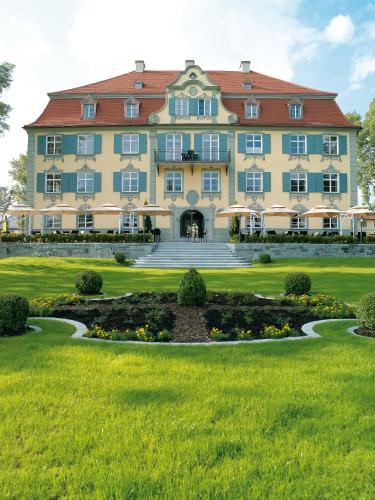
point(298, 195)
point(53, 196)
point(192, 197)
point(193, 91)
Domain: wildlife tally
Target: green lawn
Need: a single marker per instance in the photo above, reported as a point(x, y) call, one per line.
point(348, 278)
point(283, 420)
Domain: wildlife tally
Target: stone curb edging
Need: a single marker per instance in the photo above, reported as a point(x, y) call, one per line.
point(36, 329)
point(352, 332)
point(307, 328)
point(109, 298)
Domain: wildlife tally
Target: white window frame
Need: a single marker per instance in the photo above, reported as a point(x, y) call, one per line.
point(212, 151)
point(327, 139)
point(209, 174)
point(292, 114)
point(91, 107)
point(254, 222)
point(131, 140)
point(132, 179)
point(298, 176)
point(89, 144)
point(206, 107)
point(298, 140)
point(331, 178)
point(252, 178)
point(173, 175)
point(56, 179)
point(252, 139)
point(174, 147)
point(85, 179)
point(129, 221)
point(131, 110)
point(52, 222)
point(253, 108)
point(298, 222)
point(88, 221)
point(55, 141)
point(330, 223)
point(182, 106)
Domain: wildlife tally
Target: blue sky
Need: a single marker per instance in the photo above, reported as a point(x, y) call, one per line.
point(327, 44)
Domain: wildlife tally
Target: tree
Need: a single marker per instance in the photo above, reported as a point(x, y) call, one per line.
point(354, 117)
point(6, 70)
point(18, 173)
point(6, 198)
point(235, 226)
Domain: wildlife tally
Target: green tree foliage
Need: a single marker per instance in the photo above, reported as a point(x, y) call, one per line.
point(192, 291)
point(234, 226)
point(6, 199)
point(18, 173)
point(354, 117)
point(6, 70)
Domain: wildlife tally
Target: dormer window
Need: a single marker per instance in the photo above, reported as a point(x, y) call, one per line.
point(295, 110)
point(131, 109)
point(251, 110)
point(88, 111)
point(246, 85)
point(138, 84)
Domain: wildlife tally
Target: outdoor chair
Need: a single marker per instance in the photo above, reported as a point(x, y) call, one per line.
point(271, 232)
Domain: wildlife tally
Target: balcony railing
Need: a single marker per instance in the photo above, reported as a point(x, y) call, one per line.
point(191, 156)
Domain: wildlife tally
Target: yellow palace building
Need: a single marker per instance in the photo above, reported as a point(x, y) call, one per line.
point(193, 141)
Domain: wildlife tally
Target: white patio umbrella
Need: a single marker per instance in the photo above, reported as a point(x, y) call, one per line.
point(107, 209)
point(59, 209)
point(322, 211)
point(362, 213)
point(22, 210)
point(152, 210)
point(278, 211)
point(236, 210)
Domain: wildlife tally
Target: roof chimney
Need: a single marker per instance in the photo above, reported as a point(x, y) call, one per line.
point(245, 66)
point(189, 62)
point(139, 66)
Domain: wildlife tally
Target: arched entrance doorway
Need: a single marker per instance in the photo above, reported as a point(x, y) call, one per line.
point(190, 217)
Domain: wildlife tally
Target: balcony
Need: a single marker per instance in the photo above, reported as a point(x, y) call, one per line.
point(191, 157)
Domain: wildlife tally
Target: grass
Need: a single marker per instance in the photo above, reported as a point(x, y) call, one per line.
point(347, 278)
point(284, 420)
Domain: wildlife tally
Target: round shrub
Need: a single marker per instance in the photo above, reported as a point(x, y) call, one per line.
point(14, 310)
point(120, 257)
point(265, 258)
point(366, 311)
point(192, 291)
point(297, 283)
point(89, 282)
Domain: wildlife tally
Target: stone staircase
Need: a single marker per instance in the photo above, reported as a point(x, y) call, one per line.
point(184, 255)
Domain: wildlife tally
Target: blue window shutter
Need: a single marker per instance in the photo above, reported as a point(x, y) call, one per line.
point(343, 183)
point(286, 182)
point(193, 106)
point(172, 106)
point(311, 188)
point(97, 144)
point(142, 143)
point(97, 182)
point(318, 144)
point(241, 144)
point(117, 145)
point(241, 181)
point(162, 146)
point(286, 144)
point(223, 147)
point(117, 182)
point(319, 183)
point(40, 183)
point(310, 144)
point(343, 147)
point(198, 143)
point(142, 182)
point(68, 182)
point(185, 142)
point(267, 182)
point(69, 144)
point(214, 106)
point(41, 145)
point(266, 143)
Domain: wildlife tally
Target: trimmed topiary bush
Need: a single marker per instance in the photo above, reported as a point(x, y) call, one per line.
point(14, 310)
point(192, 291)
point(297, 283)
point(366, 311)
point(265, 258)
point(89, 282)
point(120, 257)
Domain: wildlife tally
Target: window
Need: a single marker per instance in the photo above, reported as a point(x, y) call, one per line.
point(85, 221)
point(330, 145)
point(173, 182)
point(298, 183)
point(54, 145)
point(174, 147)
point(298, 223)
point(295, 111)
point(53, 183)
point(182, 107)
point(86, 144)
point(88, 111)
point(85, 182)
point(330, 183)
point(131, 110)
point(130, 182)
point(53, 221)
point(210, 150)
point(298, 144)
point(254, 143)
point(130, 144)
point(330, 223)
point(211, 182)
point(138, 85)
point(254, 182)
point(129, 222)
point(204, 107)
point(246, 85)
point(251, 110)
point(253, 222)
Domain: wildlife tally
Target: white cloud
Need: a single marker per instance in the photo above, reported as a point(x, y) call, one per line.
point(362, 67)
point(340, 29)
